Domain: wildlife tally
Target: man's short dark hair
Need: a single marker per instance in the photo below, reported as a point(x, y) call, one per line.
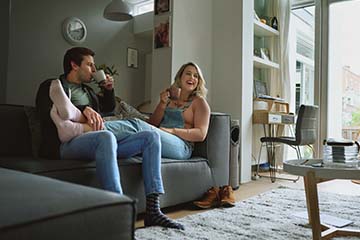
point(75, 55)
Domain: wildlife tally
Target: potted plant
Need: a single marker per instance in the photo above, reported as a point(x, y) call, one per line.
point(108, 70)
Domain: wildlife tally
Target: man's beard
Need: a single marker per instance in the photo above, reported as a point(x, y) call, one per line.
point(85, 79)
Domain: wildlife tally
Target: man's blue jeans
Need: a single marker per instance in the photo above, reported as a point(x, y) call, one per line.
point(104, 148)
point(171, 145)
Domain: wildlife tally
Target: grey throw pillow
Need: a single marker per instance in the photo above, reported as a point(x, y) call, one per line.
point(35, 129)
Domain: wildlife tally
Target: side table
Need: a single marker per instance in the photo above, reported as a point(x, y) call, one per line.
point(313, 171)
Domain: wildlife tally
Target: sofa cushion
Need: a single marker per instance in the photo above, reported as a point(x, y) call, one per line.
point(36, 207)
point(41, 165)
point(15, 133)
point(35, 129)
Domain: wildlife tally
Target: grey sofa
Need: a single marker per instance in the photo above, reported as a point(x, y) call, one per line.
point(41, 208)
point(184, 180)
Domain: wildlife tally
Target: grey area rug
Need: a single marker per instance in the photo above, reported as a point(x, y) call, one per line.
point(265, 216)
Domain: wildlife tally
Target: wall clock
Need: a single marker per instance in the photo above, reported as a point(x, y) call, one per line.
point(74, 30)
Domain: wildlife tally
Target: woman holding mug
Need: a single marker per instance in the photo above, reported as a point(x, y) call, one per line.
point(183, 111)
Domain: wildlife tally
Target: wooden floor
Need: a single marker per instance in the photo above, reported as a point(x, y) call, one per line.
point(261, 185)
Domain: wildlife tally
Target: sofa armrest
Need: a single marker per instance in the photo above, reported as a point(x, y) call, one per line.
point(216, 147)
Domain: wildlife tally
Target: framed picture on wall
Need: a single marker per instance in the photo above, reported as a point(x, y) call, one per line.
point(132, 58)
point(161, 6)
point(162, 33)
point(260, 88)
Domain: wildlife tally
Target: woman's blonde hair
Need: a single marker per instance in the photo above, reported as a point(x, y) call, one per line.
point(200, 90)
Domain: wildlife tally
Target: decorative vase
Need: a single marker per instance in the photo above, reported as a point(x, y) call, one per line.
point(274, 23)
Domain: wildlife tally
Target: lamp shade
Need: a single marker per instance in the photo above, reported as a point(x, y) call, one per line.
point(117, 10)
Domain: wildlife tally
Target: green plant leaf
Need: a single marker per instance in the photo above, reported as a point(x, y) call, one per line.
point(108, 70)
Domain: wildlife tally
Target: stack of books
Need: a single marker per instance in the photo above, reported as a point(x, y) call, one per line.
point(341, 152)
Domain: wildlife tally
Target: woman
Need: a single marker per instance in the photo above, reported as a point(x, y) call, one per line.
point(188, 116)
point(180, 122)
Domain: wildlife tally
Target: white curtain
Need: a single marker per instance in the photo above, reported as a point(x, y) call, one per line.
point(281, 84)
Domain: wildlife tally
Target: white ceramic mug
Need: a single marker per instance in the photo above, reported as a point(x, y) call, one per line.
point(99, 76)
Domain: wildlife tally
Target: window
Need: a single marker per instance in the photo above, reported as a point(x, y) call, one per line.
point(343, 70)
point(303, 25)
point(302, 30)
point(141, 6)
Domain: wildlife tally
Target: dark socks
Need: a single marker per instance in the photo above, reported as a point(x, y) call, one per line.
point(154, 216)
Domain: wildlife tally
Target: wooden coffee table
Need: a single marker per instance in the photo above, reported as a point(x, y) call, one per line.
point(313, 173)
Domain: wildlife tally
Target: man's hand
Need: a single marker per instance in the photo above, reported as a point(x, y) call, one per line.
point(94, 119)
point(108, 83)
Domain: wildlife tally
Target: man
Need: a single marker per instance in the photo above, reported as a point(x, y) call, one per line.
point(101, 145)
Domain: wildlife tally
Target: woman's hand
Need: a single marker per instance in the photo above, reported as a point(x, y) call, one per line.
point(168, 130)
point(158, 113)
point(108, 83)
point(165, 96)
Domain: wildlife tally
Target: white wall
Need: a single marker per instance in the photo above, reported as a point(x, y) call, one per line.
point(148, 75)
point(232, 85)
point(191, 40)
point(37, 47)
point(161, 73)
point(227, 54)
point(143, 23)
point(193, 23)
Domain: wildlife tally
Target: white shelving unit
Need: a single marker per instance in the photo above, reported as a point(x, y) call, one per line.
point(265, 69)
point(262, 63)
point(262, 30)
